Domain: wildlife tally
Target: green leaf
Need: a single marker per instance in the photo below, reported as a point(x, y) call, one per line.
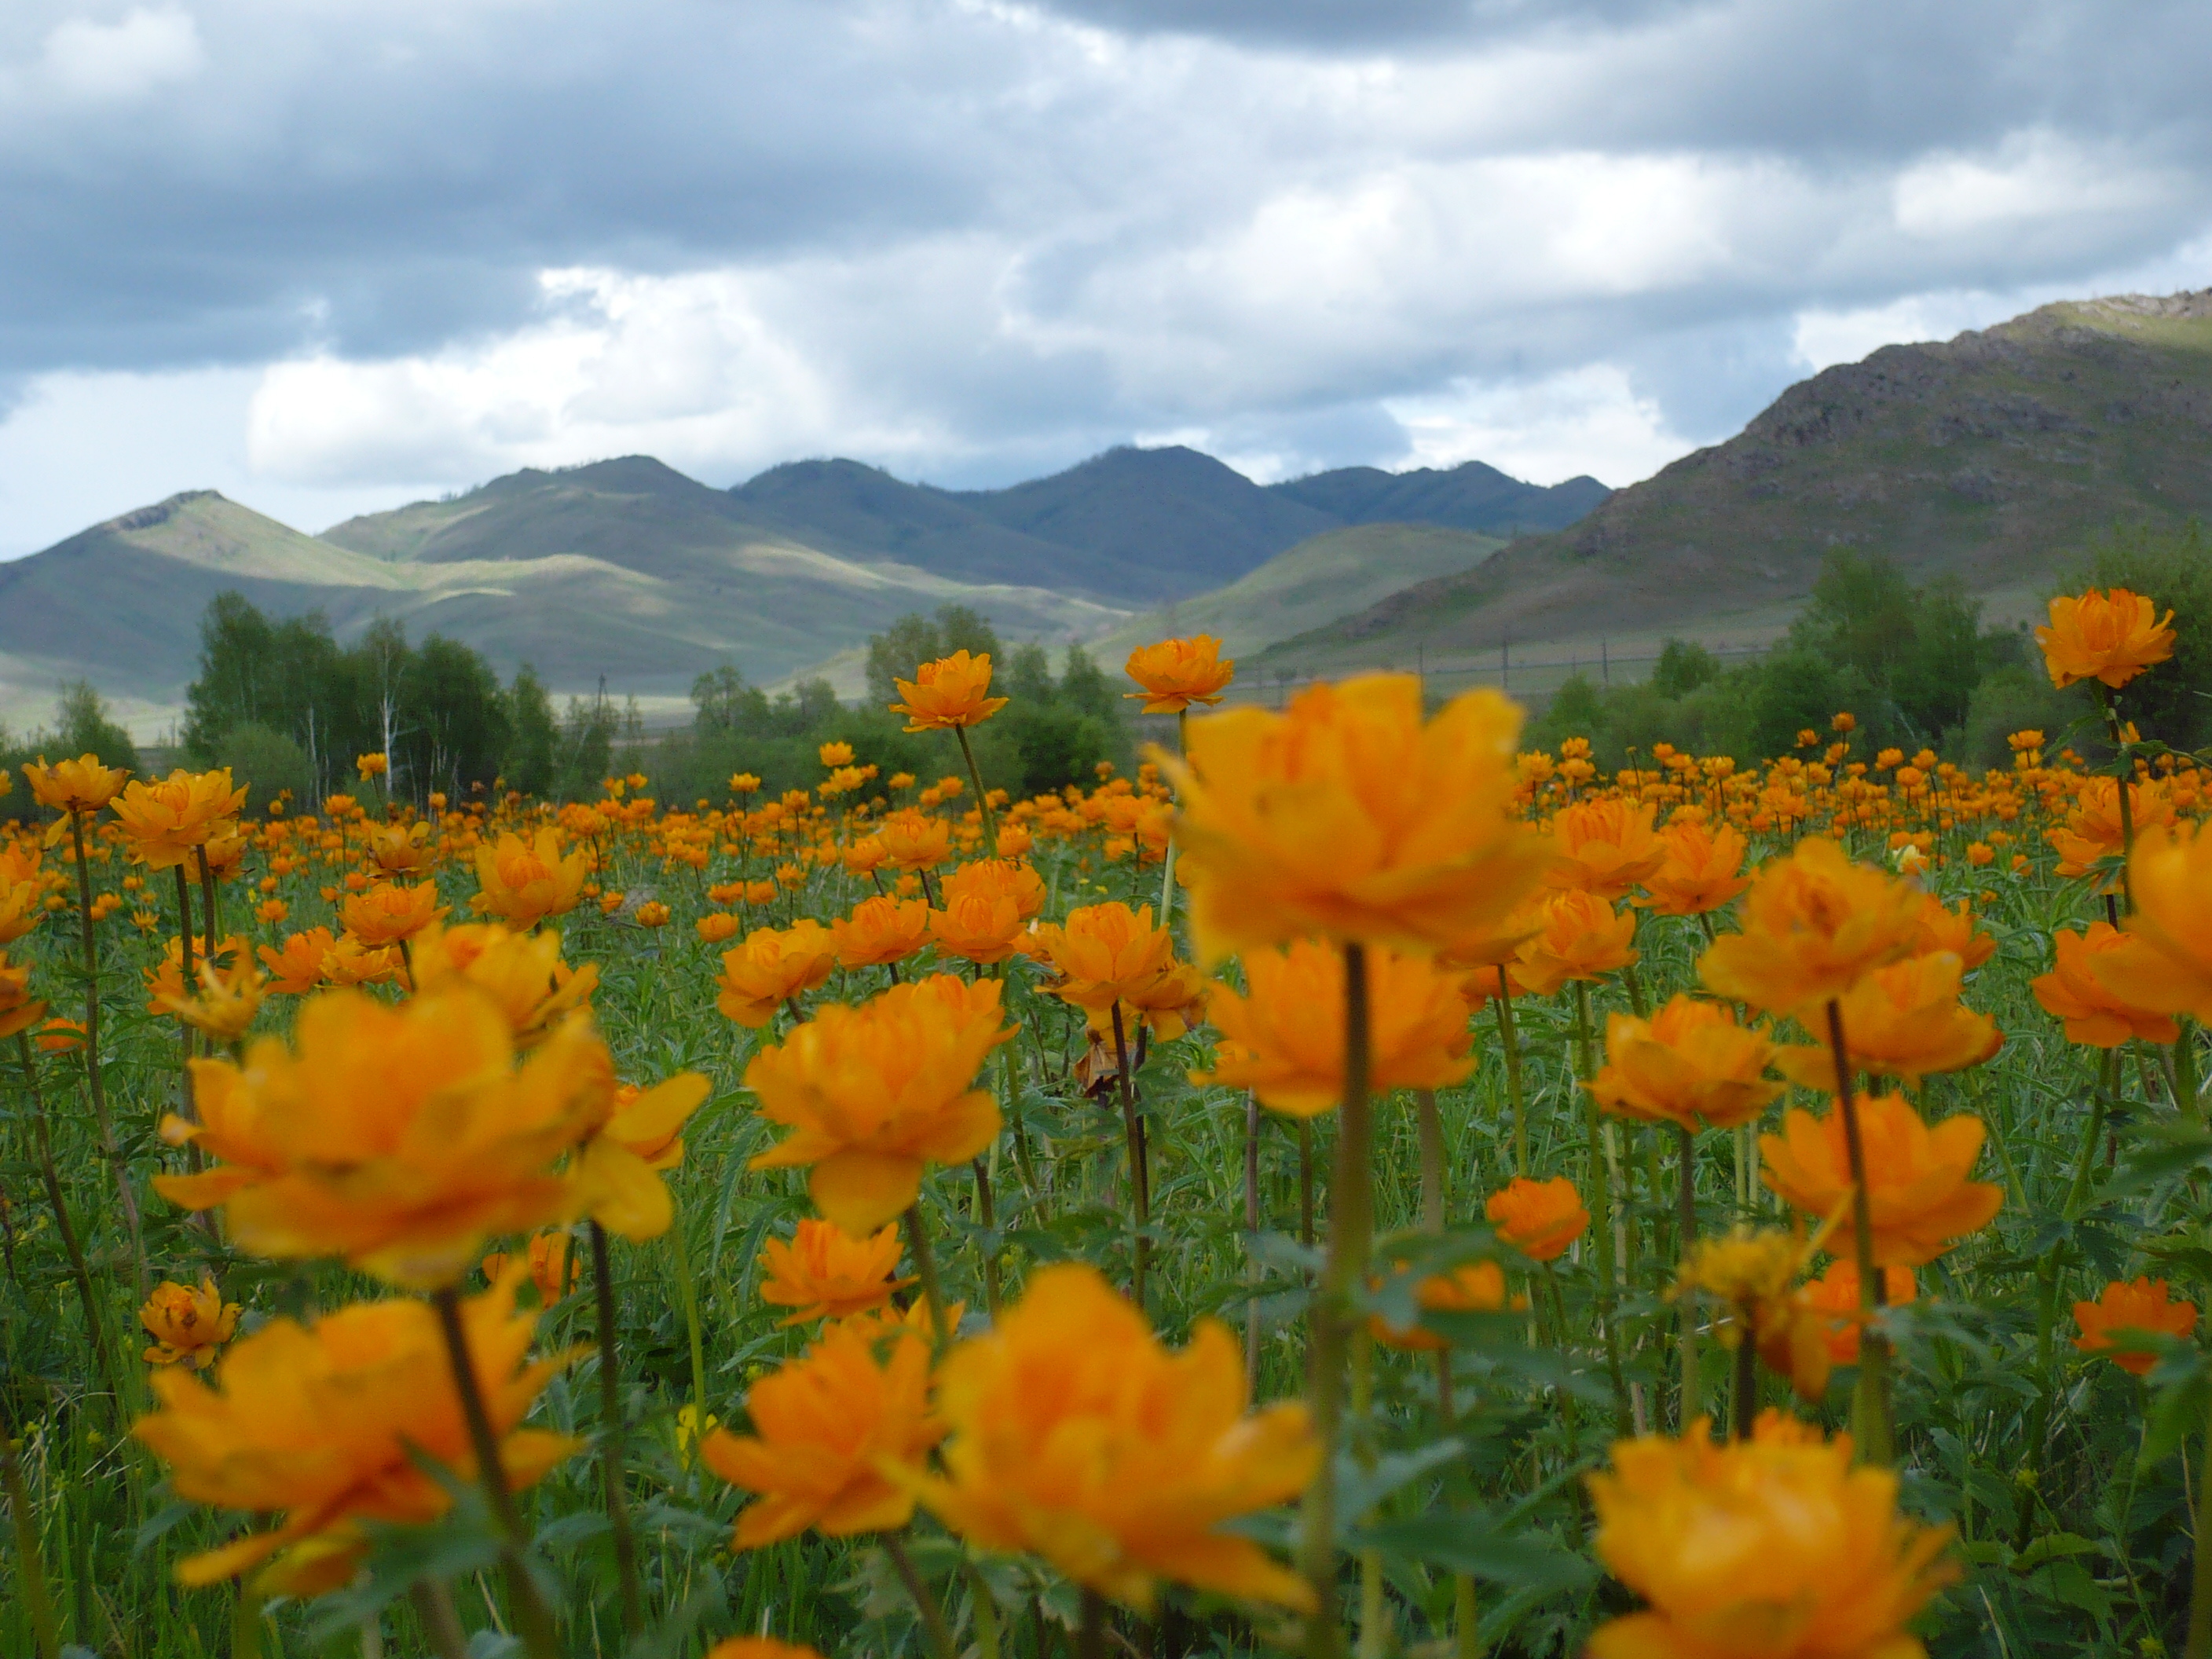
point(1472, 1542)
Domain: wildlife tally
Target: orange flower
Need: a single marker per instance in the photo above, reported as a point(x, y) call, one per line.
point(524, 884)
point(83, 785)
point(1918, 1189)
point(326, 1423)
point(1539, 1219)
point(552, 1261)
point(2170, 967)
point(1945, 929)
point(2075, 992)
point(913, 840)
point(1690, 1061)
point(1833, 1300)
point(1775, 1547)
point(371, 766)
point(1176, 673)
point(1077, 1435)
point(1476, 1287)
point(2123, 1306)
point(1905, 1021)
point(523, 974)
point(1814, 924)
point(880, 930)
point(164, 981)
point(296, 967)
point(773, 965)
point(22, 907)
point(1349, 816)
point(759, 1647)
point(351, 962)
point(1102, 953)
point(2094, 831)
point(826, 1425)
point(399, 1138)
point(1583, 937)
point(835, 755)
point(619, 1169)
point(1606, 847)
point(651, 913)
point(1284, 1039)
point(999, 878)
point(875, 1092)
point(717, 927)
point(402, 849)
point(978, 926)
point(386, 913)
point(187, 1325)
point(60, 1036)
point(826, 1274)
point(166, 820)
point(1700, 873)
point(2111, 637)
point(947, 694)
point(226, 1001)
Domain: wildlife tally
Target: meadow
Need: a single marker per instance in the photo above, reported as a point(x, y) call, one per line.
point(1352, 1186)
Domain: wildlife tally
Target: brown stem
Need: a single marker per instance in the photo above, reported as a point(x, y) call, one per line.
point(94, 1075)
point(185, 985)
point(1686, 1221)
point(985, 1214)
point(1141, 1197)
point(442, 1625)
point(925, 1603)
point(925, 1268)
point(95, 1328)
point(1872, 1418)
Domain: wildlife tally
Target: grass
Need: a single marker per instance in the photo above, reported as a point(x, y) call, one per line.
point(2090, 1555)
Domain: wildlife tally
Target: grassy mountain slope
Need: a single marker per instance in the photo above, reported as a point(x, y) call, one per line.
point(1322, 578)
point(861, 513)
point(1468, 496)
point(1175, 523)
point(1993, 456)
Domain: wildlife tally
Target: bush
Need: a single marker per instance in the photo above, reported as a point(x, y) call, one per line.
point(267, 762)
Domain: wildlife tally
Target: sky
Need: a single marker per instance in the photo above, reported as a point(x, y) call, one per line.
point(329, 255)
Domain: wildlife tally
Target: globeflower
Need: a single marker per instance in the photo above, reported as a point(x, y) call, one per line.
point(2125, 1306)
point(875, 1092)
point(83, 785)
point(1583, 937)
point(1775, 1547)
point(2169, 967)
point(1176, 673)
point(1701, 870)
point(949, 694)
point(19, 1009)
point(1539, 1219)
point(523, 974)
point(1606, 847)
point(296, 967)
point(1347, 817)
point(165, 820)
point(1284, 1039)
point(1814, 924)
point(1690, 1061)
point(996, 879)
point(187, 1325)
point(1943, 928)
point(1918, 1191)
point(2110, 637)
point(1102, 953)
point(773, 965)
point(1905, 1021)
point(830, 1428)
point(1831, 1302)
point(913, 840)
point(228, 999)
point(325, 1423)
point(402, 849)
point(524, 883)
point(825, 1273)
point(1077, 1435)
point(388, 912)
point(1475, 1287)
point(21, 908)
point(551, 1260)
point(398, 1139)
point(618, 1169)
point(978, 926)
point(880, 930)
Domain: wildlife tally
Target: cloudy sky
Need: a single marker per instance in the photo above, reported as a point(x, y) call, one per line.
point(331, 255)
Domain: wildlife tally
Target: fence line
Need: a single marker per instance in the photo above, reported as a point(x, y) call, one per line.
point(1279, 684)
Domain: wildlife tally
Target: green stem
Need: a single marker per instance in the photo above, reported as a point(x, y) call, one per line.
point(1351, 1221)
point(442, 1625)
point(30, 1571)
point(693, 1331)
point(1510, 1039)
point(1252, 1271)
point(985, 1214)
point(95, 1075)
point(185, 983)
point(95, 1325)
point(1877, 1437)
point(2200, 1578)
point(982, 800)
point(1686, 1221)
point(1747, 1386)
point(611, 1439)
point(1140, 1196)
point(924, 1604)
point(1601, 1207)
point(1467, 1629)
point(533, 1619)
point(1090, 1630)
point(925, 1268)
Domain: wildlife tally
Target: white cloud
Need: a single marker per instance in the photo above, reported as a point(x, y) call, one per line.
point(1587, 420)
point(2030, 177)
point(117, 62)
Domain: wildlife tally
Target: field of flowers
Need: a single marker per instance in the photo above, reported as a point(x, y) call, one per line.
point(1351, 1187)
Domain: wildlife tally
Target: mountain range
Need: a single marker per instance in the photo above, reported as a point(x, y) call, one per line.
point(628, 574)
point(1994, 457)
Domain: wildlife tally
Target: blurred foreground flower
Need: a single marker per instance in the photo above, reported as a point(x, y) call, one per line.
point(1076, 1436)
point(2123, 1306)
point(324, 1423)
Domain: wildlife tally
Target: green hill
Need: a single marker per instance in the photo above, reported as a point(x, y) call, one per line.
point(1994, 456)
point(1323, 578)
